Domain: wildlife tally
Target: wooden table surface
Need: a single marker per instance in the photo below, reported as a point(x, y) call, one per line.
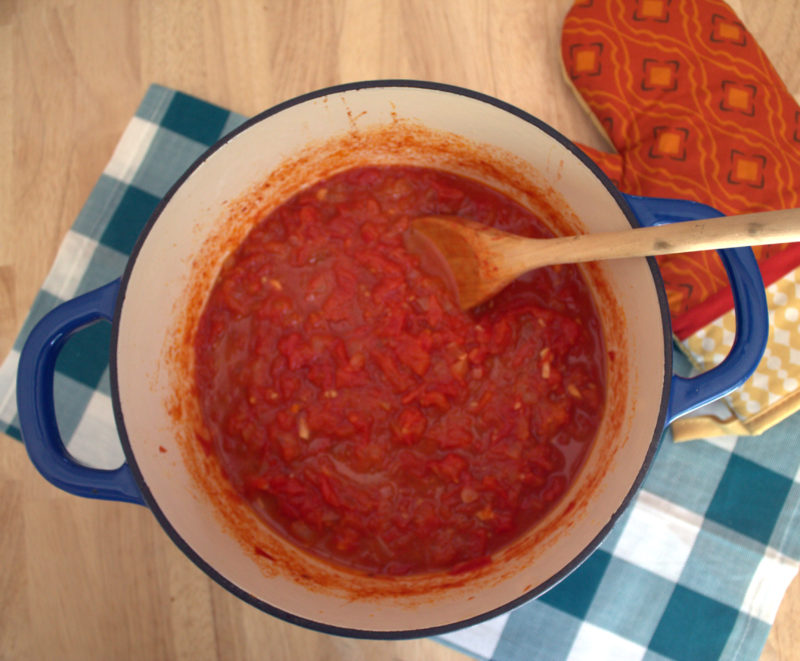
point(94, 580)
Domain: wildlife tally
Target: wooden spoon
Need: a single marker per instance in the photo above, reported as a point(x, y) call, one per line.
point(478, 261)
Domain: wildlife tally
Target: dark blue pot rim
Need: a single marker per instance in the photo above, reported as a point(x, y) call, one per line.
point(367, 633)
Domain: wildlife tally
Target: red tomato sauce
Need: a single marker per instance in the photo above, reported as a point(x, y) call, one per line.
point(361, 412)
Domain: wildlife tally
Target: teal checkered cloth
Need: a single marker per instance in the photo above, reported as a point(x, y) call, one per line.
point(696, 568)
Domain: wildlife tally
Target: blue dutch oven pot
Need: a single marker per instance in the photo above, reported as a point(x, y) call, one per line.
point(644, 393)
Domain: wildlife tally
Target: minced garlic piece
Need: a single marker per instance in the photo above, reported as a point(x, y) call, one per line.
point(302, 428)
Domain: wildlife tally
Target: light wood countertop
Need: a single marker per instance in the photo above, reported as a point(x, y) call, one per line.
point(82, 579)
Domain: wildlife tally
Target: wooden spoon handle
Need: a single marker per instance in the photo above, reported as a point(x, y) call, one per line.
point(749, 229)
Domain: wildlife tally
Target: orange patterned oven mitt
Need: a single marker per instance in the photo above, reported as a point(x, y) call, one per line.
point(695, 110)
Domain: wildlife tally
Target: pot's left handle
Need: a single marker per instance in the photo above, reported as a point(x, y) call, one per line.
point(36, 408)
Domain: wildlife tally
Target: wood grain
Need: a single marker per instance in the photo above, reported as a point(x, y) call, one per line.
point(83, 579)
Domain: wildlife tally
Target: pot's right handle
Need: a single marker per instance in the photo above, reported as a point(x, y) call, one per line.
point(36, 409)
point(750, 307)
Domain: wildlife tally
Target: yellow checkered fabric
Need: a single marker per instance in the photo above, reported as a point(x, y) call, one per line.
point(773, 392)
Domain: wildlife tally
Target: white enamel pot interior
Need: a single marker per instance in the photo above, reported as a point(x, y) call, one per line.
point(208, 212)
